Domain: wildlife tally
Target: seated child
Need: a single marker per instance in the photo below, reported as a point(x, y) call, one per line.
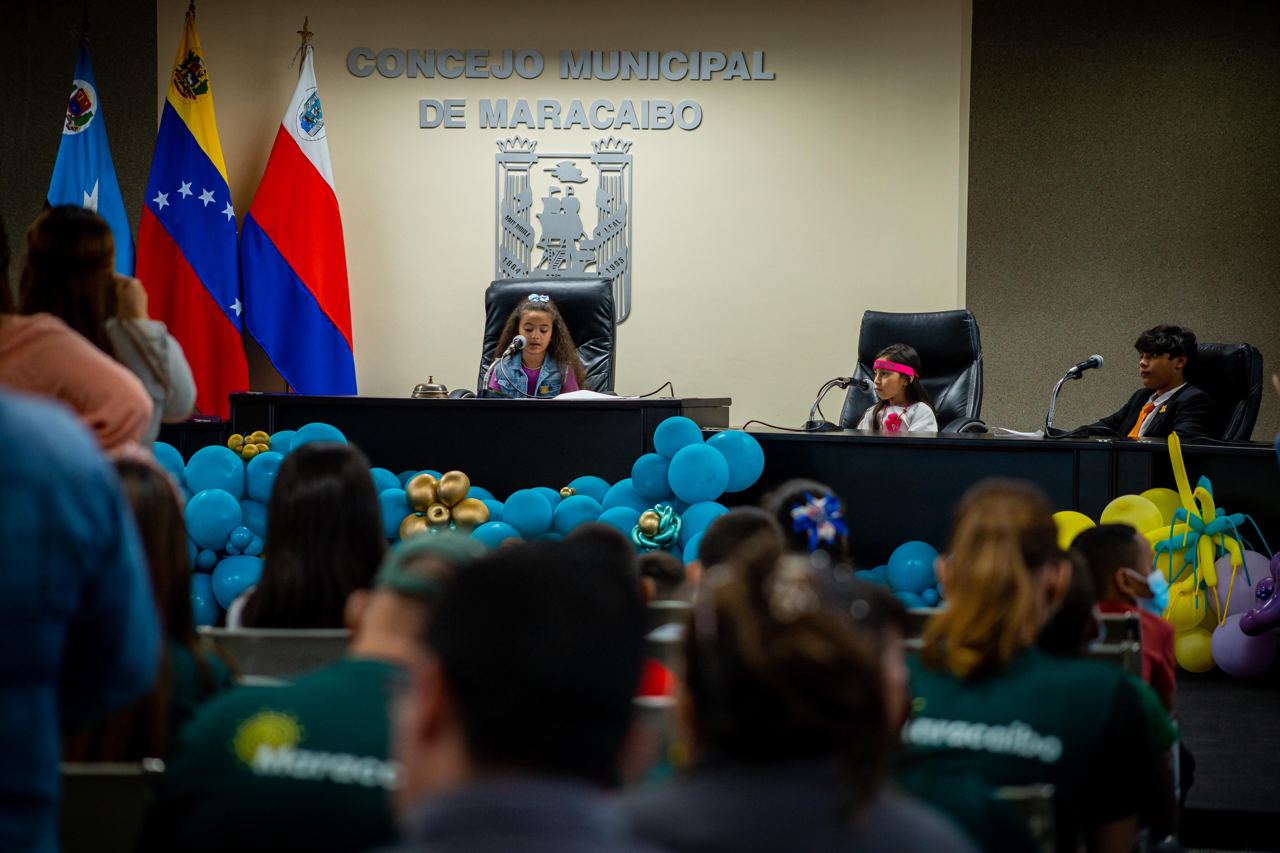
point(530, 372)
point(1120, 563)
point(904, 403)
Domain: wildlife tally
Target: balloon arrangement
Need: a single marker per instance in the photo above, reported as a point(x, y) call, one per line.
point(910, 574)
point(1210, 570)
point(669, 500)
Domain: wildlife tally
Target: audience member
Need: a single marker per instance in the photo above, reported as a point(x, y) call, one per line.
point(732, 531)
point(305, 766)
point(1122, 569)
point(325, 533)
point(187, 675)
point(788, 722)
point(991, 710)
point(41, 355)
point(662, 576)
point(517, 721)
point(812, 520)
point(77, 620)
point(68, 272)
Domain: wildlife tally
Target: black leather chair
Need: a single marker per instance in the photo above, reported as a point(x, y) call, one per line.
point(1231, 374)
point(587, 307)
point(950, 350)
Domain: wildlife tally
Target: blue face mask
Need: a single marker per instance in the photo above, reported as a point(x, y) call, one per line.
point(1158, 603)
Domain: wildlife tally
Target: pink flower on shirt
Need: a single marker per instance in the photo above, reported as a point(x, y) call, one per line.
point(892, 422)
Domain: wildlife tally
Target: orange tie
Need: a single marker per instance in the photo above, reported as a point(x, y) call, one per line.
point(1142, 417)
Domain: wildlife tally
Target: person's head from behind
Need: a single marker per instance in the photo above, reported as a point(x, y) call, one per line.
point(545, 332)
point(157, 509)
point(1165, 355)
point(1002, 576)
point(662, 576)
point(68, 271)
point(1072, 625)
point(389, 620)
point(324, 539)
point(897, 373)
point(812, 519)
point(776, 673)
point(532, 658)
point(605, 544)
point(1119, 561)
point(878, 615)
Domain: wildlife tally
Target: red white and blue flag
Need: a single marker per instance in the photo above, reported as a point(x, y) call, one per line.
point(292, 259)
point(187, 235)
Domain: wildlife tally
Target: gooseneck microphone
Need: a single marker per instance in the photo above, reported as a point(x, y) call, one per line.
point(817, 422)
point(1076, 372)
point(518, 342)
point(1089, 363)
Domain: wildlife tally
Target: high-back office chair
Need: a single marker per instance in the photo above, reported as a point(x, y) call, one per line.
point(1231, 374)
point(587, 307)
point(950, 350)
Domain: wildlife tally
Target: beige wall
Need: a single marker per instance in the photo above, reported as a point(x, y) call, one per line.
point(759, 238)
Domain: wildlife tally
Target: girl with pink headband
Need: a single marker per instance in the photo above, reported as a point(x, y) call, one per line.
point(904, 404)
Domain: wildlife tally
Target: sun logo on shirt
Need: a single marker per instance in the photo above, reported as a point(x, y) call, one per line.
point(265, 728)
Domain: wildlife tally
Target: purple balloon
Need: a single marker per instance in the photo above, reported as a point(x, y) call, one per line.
point(1266, 615)
point(1242, 590)
point(1238, 654)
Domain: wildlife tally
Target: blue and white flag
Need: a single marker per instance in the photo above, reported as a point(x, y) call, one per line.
point(83, 173)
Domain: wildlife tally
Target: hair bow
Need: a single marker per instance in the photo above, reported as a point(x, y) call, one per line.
point(821, 519)
point(539, 297)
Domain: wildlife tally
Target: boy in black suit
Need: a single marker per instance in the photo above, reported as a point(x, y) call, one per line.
point(1165, 403)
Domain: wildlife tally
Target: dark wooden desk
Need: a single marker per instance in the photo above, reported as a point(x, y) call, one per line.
point(904, 487)
point(503, 445)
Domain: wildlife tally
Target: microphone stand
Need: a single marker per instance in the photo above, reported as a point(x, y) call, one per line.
point(1053, 402)
point(815, 425)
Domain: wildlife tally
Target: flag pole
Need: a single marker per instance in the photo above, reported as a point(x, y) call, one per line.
point(306, 34)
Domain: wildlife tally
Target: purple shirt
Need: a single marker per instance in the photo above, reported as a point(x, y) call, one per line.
point(569, 383)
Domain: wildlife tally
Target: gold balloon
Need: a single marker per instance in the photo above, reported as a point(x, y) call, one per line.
point(470, 513)
point(262, 447)
point(413, 524)
point(454, 486)
point(249, 451)
point(421, 491)
point(259, 437)
point(437, 514)
point(236, 441)
point(567, 492)
point(649, 522)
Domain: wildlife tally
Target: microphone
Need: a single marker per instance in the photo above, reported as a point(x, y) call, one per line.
point(518, 342)
point(816, 424)
point(1089, 363)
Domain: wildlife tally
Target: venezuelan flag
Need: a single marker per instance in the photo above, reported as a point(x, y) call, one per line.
point(187, 256)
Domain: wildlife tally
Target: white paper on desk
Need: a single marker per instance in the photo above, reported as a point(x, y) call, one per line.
point(1005, 431)
point(590, 395)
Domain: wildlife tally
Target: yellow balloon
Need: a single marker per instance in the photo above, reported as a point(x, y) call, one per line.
point(1194, 650)
point(437, 515)
point(249, 451)
point(470, 513)
point(567, 492)
point(649, 523)
point(1186, 609)
point(1070, 525)
point(236, 441)
point(259, 437)
point(413, 524)
point(1134, 510)
point(421, 491)
point(454, 486)
point(1166, 500)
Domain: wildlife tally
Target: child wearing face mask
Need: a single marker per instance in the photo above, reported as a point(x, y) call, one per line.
point(904, 404)
point(1121, 564)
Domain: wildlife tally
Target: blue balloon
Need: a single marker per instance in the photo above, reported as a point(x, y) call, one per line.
point(881, 573)
point(317, 432)
point(282, 441)
point(551, 537)
point(255, 517)
point(593, 487)
point(260, 475)
point(494, 533)
point(649, 477)
point(206, 560)
point(622, 518)
point(529, 512)
point(910, 599)
point(692, 547)
point(574, 511)
point(232, 550)
point(233, 576)
point(870, 577)
point(697, 518)
point(552, 496)
point(495, 509)
point(240, 537)
point(384, 479)
point(930, 597)
point(204, 607)
point(623, 493)
point(406, 476)
point(911, 567)
point(744, 455)
point(193, 551)
point(698, 473)
point(394, 506)
point(480, 494)
point(675, 433)
point(170, 459)
point(216, 467)
point(255, 546)
point(211, 516)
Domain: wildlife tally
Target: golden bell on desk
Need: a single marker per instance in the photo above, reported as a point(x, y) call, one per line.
point(429, 390)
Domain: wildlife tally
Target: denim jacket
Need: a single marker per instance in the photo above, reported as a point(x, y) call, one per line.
point(509, 371)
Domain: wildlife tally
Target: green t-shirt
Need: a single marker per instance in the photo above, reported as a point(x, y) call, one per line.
point(302, 766)
point(1076, 724)
point(189, 686)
